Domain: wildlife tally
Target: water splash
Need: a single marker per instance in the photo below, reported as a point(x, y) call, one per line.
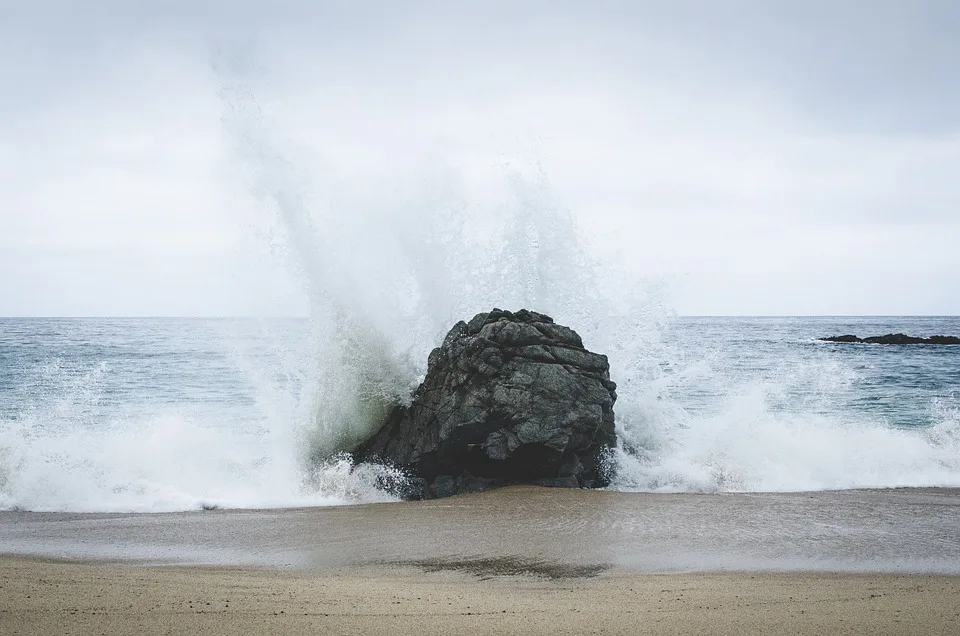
point(386, 278)
point(791, 431)
point(68, 451)
point(387, 271)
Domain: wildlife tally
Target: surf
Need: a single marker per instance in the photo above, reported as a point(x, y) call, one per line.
point(387, 269)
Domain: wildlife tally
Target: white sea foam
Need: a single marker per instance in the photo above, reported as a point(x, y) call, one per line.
point(55, 458)
point(750, 442)
point(386, 276)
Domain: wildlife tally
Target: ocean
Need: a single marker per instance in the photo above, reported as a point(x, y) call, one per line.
point(159, 415)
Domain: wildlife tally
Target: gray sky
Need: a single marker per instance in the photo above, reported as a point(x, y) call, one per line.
point(761, 157)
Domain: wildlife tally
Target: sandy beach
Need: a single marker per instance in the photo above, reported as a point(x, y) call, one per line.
point(517, 560)
point(44, 597)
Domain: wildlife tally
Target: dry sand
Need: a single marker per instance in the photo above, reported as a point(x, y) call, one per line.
point(46, 597)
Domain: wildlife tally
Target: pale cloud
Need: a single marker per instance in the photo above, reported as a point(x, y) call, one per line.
point(766, 157)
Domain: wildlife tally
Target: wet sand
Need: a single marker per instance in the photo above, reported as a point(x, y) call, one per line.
point(518, 560)
point(902, 530)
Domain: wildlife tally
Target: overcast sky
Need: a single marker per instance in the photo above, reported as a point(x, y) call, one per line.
point(759, 157)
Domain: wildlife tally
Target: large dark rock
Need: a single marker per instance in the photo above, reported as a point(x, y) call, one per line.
point(896, 338)
point(508, 398)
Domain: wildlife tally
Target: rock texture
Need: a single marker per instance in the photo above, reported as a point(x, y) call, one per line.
point(896, 338)
point(508, 398)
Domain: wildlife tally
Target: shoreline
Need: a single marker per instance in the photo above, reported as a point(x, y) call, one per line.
point(947, 490)
point(40, 596)
point(888, 530)
point(515, 560)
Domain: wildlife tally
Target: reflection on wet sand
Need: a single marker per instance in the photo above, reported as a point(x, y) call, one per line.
point(537, 529)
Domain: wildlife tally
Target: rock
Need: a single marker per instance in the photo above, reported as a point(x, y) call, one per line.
point(508, 398)
point(896, 338)
point(847, 338)
point(944, 340)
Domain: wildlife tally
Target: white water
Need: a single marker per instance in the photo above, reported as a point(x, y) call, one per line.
point(427, 262)
point(749, 446)
point(387, 275)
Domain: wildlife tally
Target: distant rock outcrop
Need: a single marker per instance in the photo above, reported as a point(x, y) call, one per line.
point(897, 339)
point(508, 398)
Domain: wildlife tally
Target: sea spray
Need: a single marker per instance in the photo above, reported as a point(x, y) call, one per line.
point(796, 422)
point(152, 416)
point(358, 377)
point(452, 252)
point(160, 415)
point(381, 299)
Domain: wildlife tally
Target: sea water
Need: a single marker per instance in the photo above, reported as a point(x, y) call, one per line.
point(179, 414)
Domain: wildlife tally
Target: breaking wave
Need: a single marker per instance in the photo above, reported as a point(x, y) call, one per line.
point(387, 271)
